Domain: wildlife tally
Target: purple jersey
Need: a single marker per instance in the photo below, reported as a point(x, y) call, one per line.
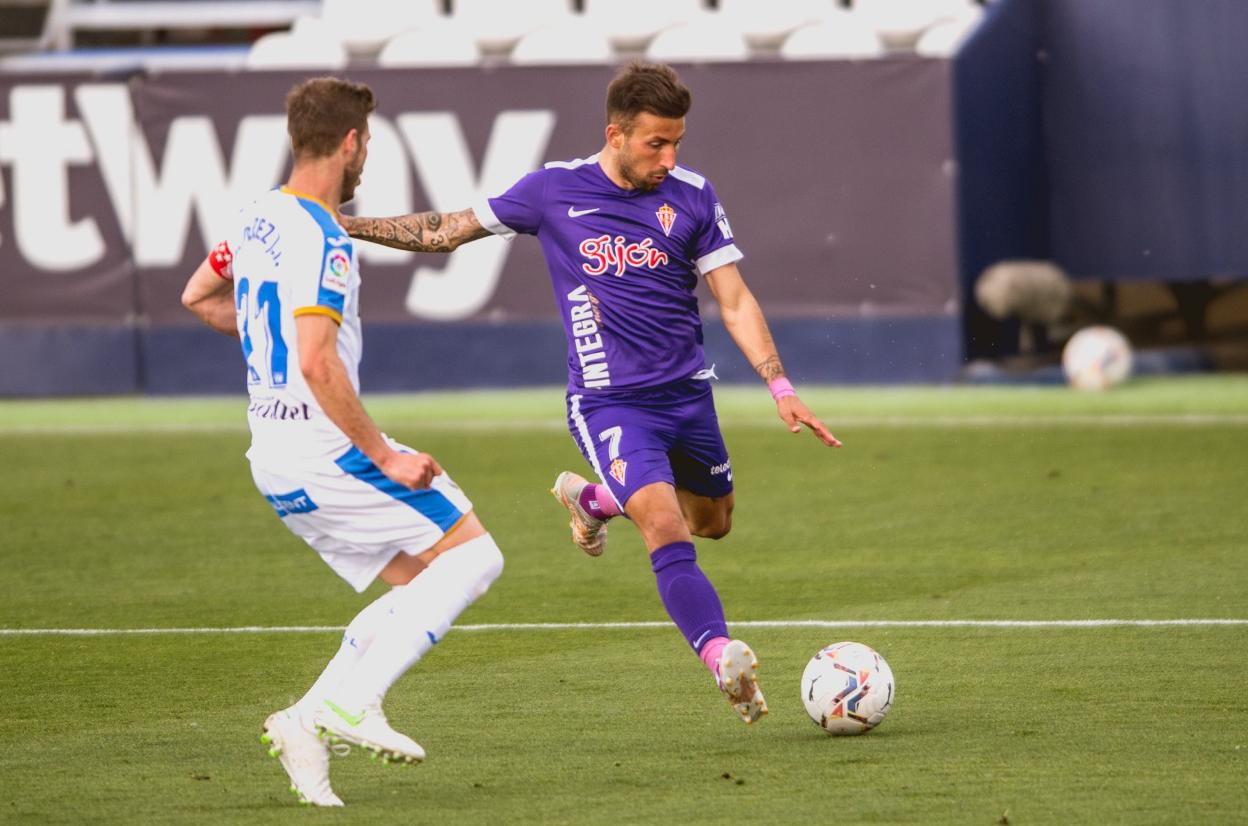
point(624, 264)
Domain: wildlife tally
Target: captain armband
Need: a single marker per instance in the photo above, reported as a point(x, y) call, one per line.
point(222, 261)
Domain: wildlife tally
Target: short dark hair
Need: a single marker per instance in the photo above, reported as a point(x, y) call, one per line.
point(646, 87)
point(321, 111)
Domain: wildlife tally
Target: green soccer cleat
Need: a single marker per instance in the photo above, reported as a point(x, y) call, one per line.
point(367, 729)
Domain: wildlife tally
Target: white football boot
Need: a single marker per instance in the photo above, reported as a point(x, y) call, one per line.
point(588, 531)
point(739, 682)
point(302, 754)
point(367, 729)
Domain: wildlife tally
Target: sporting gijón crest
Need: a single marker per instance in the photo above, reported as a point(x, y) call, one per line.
point(667, 217)
point(617, 470)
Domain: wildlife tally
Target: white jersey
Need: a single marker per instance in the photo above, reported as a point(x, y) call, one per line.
point(290, 257)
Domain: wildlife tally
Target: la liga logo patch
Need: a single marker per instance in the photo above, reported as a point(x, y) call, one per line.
point(337, 268)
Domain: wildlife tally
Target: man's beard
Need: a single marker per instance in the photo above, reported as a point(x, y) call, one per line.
point(639, 182)
point(350, 180)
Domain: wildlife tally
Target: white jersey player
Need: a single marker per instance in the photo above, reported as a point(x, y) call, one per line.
point(286, 283)
point(288, 259)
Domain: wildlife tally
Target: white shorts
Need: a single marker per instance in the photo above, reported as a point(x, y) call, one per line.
point(356, 518)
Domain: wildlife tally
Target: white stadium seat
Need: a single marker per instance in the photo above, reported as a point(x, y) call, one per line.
point(573, 41)
point(364, 26)
point(946, 37)
point(67, 18)
point(497, 25)
point(632, 24)
point(839, 35)
point(765, 25)
point(445, 44)
point(285, 50)
point(706, 37)
point(899, 23)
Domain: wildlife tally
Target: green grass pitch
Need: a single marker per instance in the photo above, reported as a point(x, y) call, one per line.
point(945, 504)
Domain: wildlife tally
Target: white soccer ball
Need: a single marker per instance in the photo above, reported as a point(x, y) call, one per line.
point(1097, 358)
point(847, 688)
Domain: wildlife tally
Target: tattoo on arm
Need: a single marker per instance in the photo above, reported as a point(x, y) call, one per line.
point(770, 368)
point(419, 232)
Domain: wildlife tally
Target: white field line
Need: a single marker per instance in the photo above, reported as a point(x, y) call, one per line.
point(594, 626)
point(541, 425)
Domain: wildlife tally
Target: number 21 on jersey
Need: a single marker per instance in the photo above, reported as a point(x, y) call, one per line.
point(260, 329)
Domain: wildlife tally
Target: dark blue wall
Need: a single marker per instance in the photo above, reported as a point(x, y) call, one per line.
point(1002, 196)
point(1146, 130)
point(399, 357)
point(63, 360)
point(1110, 136)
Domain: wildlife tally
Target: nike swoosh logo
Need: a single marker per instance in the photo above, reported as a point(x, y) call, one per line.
point(698, 641)
point(351, 719)
point(573, 212)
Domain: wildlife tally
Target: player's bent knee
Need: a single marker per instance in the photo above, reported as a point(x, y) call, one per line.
point(466, 530)
point(713, 520)
point(715, 528)
point(475, 564)
point(658, 532)
point(453, 581)
point(405, 567)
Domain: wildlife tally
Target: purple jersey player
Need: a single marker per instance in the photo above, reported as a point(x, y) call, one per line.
point(627, 234)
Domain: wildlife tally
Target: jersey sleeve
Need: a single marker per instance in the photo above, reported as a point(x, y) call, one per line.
point(713, 245)
point(518, 210)
point(329, 253)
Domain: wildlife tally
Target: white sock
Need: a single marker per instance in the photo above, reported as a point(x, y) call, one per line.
point(355, 642)
point(421, 614)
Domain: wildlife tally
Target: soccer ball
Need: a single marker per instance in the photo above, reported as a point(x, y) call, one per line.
point(1096, 358)
point(847, 688)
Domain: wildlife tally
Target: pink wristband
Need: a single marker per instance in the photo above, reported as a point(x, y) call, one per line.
point(780, 388)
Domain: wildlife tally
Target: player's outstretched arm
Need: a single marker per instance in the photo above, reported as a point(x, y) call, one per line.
point(745, 322)
point(418, 232)
point(327, 378)
point(210, 295)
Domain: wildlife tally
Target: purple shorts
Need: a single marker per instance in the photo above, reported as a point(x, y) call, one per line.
point(668, 434)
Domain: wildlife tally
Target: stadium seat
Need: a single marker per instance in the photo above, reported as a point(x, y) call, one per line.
point(497, 25)
point(839, 35)
point(766, 25)
point(287, 50)
point(573, 41)
point(364, 26)
point(945, 38)
point(899, 23)
point(67, 18)
point(706, 37)
point(27, 25)
point(632, 25)
point(445, 44)
point(315, 27)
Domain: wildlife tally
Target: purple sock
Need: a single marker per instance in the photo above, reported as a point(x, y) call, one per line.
point(687, 594)
point(597, 500)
